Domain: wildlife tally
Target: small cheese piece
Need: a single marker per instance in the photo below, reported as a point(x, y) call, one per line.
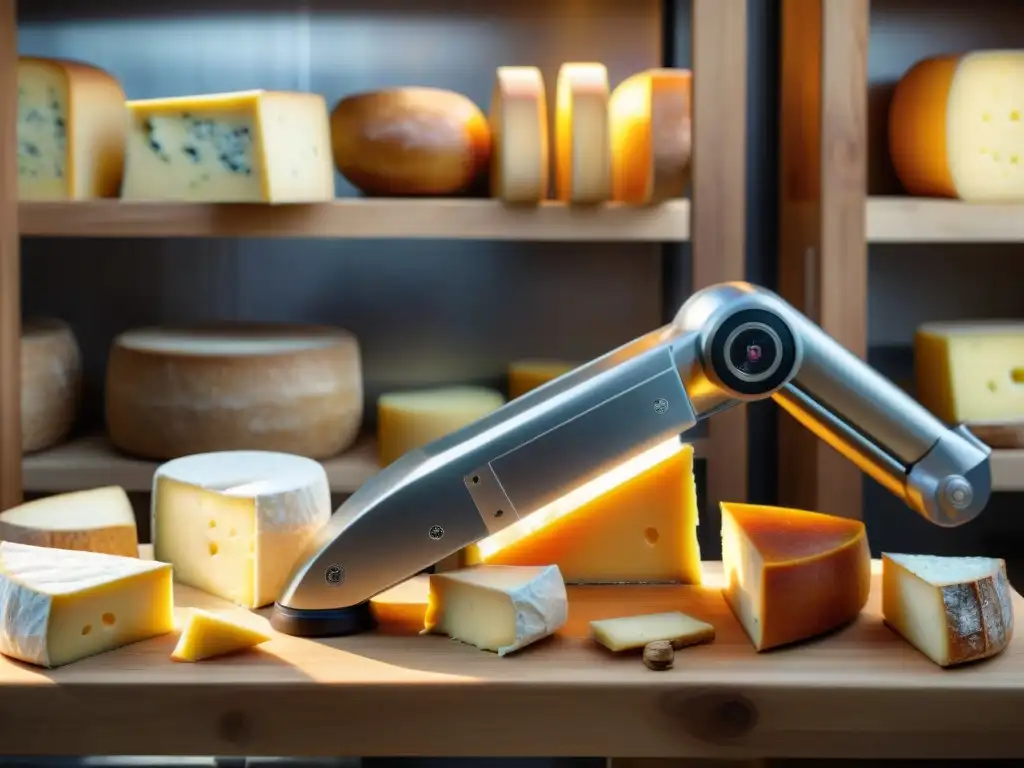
point(582, 150)
point(497, 608)
point(245, 147)
point(524, 375)
point(410, 141)
point(952, 609)
point(519, 132)
point(232, 523)
point(956, 127)
point(651, 140)
point(410, 420)
point(971, 371)
point(791, 574)
point(403, 607)
point(631, 632)
point(99, 520)
point(71, 131)
point(209, 634)
point(636, 524)
point(51, 383)
point(293, 389)
point(59, 606)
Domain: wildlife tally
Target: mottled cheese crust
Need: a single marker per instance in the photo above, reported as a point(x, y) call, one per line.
point(51, 383)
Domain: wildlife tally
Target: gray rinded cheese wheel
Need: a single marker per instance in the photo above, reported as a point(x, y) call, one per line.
point(51, 383)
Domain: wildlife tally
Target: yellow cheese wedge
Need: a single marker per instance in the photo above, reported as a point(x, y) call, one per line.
point(650, 130)
point(519, 132)
point(791, 574)
point(631, 632)
point(956, 127)
point(582, 153)
point(51, 382)
point(524, 375)
point(637, 523)
point(402, 608)
point(206, 635)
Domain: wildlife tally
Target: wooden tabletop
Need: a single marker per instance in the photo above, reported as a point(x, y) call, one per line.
point(859, 692)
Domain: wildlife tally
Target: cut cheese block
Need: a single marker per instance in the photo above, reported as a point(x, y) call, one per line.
point(99, 520)
point(59, 606)
point(409, 420)
point(971, 371)
point(206, 635)
point(632, 632)
point(524, 375)
point(792, 575)
point(175, 392)
point(71, 131)
point(402, 608)
point(956, 127)
point(651, 136)
point(519, 132)
point(244, 147)
point(232, 523)
point(51, 383)
point(582, 150)
point(410, 141)
point(952, 609)
point(497, 608)
point(638, 523)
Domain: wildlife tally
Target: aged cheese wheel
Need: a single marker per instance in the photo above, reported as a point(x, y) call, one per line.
point(519, 130)
point(410, 141)
point(582, 150)
point(51, 382)
point(288, 388)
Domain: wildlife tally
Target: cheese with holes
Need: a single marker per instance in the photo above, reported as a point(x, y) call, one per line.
point(98, 520)
point(791, 574)
point(631, 632)
point(497, 608)
point(638, 523)
point(51, 383)
point(524, 375)
point(293, 389)
point(971, 371)
point(409, 420)
point(232, 523)
point(952, 609)
point(519, 132)
point(244, 147)
point(206, 635)
point(582, 150)
point(59, 606)
point(403, 607)
point(956, 127)
point(71, 131)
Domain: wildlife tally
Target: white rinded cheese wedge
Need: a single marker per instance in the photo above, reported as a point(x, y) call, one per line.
point(51, 382)
point(582, 149)
point(59, 606)
point(952, 609)
point(630, 632)
point(99, 520)
point(519, 131)
point(497, 607)
point(207, 635)
point(232, 523)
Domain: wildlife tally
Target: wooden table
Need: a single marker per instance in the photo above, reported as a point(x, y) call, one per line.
point(861, 692)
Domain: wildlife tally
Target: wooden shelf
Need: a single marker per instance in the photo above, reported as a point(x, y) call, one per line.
point(1008, 470)
point(455, 219)
point(921, 220)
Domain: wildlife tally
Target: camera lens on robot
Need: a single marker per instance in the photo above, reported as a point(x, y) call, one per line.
point(753, 352)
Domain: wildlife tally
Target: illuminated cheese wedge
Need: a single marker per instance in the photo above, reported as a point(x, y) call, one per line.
point(651, 140)
point(244, 147)
point(519, 132)
point(403, 607)
point(952, 609)
point(792, 575)
point(409, 420)
point(582, 151)
point(59, 605)
point(524, 375)
point(207, 635)
point(955, 127)
point(497, 608)
point(99, 520)
point(637, 523)
point(631, 632)
point(51, 383)
point(71, 131)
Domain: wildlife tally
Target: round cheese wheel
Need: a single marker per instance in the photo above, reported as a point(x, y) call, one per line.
point(51, 383)
point(287, 388)
point(410, 141)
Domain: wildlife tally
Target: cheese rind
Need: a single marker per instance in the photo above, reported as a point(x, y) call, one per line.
point(233, 523)
point(497, 608)
point(58, 606)
point(952, 609)
point(524, 375)
point(582, 150)
point(51, 383)
point(243, 147)
point(631, 632)
point(519, 132)
point(207, 635)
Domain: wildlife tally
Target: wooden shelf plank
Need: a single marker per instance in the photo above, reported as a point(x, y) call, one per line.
point(1008, 470)
point(440, 218)
point(922, 220)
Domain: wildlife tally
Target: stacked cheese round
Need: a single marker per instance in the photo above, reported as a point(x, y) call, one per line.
point(51, 380)
point(287, 388)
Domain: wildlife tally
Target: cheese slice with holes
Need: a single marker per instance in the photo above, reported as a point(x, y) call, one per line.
point(524, 375)
point(206, 635)
point(582, 150)
point(58, 606)
point(631, 632)
point(233, 523)
point(51, 382)
point(519, 132)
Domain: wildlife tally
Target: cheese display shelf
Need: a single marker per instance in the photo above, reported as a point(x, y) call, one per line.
point(917, 220)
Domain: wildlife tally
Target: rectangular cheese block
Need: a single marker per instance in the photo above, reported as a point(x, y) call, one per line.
point(402, 608)
point(631, 632)
point(246, 147)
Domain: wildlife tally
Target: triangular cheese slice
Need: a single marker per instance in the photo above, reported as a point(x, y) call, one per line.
point(208, 634)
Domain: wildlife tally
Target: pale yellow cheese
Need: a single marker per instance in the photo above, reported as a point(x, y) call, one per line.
point(519, 132)
point(206, 635)
point(524, 375)
point(51, 383)
point(582, 150)
point(631, 632)
point(402, 608)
